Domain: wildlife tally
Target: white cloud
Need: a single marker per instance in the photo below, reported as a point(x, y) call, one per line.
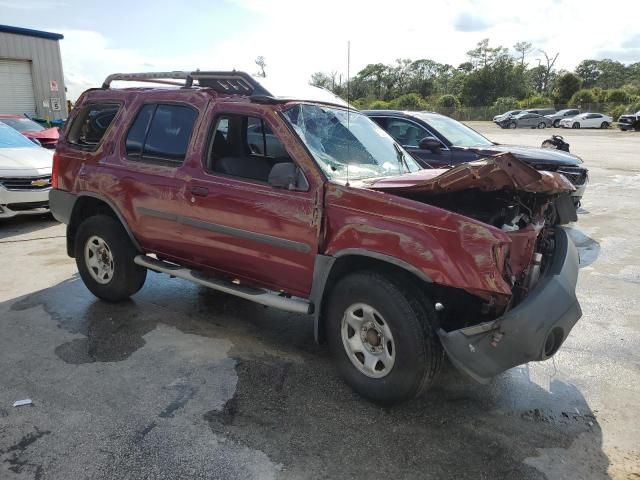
point(297, 39)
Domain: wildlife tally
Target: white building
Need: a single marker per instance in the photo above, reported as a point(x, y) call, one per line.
point(31, 78)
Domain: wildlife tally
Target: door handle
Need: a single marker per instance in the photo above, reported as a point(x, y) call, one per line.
point(199, 191)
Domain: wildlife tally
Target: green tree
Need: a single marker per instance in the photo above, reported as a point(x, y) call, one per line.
point(409, 101)
point(379, 105)
point(617, 96)
point(504, 104)
point(589, 72)
point(448, 101)
point(566, 85)
point(582, 98)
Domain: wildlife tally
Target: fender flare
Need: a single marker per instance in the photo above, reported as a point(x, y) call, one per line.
point(63, 206)
point(323, 267)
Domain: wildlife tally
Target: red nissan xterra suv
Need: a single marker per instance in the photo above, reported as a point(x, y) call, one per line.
point(298, 202)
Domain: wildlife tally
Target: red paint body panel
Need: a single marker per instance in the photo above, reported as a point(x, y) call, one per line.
point(448, 248)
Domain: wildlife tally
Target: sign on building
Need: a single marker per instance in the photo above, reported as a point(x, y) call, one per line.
point(55, 104)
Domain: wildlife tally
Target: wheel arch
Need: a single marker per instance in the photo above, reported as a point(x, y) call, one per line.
point(87, 205)
point(328, 270)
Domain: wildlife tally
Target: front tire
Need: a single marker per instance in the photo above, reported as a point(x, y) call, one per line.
point(380, 331)
point(575, 125)
point(104, 256)
point(556, 123)
point(604, 125)
point(512, 125)
point(542, 125)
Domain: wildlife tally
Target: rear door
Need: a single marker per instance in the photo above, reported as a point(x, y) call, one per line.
point(593, 120)
point(150, 178)
point(238, 224)
point(525, 120)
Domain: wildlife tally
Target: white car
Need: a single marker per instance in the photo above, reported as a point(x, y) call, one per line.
point(587, 120)
point(25, 174)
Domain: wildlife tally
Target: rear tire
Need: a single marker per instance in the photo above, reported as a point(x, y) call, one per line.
point(104, 256)
point(542, 125)
point(380, 331)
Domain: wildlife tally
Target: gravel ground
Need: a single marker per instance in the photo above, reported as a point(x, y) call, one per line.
point(181, 382)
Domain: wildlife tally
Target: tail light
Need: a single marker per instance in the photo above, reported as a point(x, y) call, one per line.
point(55, 169)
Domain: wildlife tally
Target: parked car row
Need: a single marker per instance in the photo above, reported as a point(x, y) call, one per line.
point(543, 118)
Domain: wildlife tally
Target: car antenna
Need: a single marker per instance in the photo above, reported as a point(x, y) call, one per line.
point(348, 108)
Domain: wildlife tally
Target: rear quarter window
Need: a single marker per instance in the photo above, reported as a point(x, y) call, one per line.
point(91, 124)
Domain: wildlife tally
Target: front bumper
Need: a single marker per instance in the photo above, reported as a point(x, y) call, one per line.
point(532, 331)
point(16, 202)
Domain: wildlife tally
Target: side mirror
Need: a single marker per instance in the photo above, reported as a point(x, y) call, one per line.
point(288, 175)
point(430, 143)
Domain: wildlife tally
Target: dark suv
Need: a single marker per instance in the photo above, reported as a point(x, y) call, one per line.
point(437, 141)
point(303, 204)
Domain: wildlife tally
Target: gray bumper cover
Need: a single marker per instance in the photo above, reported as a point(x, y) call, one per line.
point(519, 336)
point(61, 204)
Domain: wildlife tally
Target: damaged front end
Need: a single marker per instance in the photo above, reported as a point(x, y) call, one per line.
point(485, 333)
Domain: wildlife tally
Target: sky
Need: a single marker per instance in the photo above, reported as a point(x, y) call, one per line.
point(298, 37)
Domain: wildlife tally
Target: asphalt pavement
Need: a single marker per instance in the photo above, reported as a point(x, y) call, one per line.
point(183, 382)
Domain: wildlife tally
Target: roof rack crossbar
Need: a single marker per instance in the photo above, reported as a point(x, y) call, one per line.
point(229, 82)
point(149, 77)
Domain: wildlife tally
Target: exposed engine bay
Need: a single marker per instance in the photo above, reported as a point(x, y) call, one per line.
point(507, 194)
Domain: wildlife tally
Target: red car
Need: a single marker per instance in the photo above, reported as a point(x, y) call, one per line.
point(48, 137)
point(301, 203)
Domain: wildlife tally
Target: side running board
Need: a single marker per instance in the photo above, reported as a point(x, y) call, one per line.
point(257, 295)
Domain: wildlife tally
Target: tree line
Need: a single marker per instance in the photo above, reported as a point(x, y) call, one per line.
point(491, 76)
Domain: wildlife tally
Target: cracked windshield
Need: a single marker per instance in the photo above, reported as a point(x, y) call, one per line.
point(337, 138)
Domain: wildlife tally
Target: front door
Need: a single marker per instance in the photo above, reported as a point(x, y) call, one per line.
point(408, 134)
point(235, 221)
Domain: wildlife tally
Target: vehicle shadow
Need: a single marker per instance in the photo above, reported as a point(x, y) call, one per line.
point(290, 404)
point(23, 224)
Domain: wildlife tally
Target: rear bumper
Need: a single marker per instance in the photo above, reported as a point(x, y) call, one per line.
point(532, 331)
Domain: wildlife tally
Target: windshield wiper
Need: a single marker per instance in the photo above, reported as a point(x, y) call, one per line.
point(400, 156)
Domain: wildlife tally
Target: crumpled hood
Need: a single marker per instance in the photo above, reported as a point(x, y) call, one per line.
point(26, 159)
point(542, 156)
point(503, 171)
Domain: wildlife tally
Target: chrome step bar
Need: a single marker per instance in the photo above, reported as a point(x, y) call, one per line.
point(257, 295)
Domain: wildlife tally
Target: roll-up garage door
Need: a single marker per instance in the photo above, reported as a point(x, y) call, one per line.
point(16, 87)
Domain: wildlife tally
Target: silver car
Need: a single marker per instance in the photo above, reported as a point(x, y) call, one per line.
point(562, 114)
point(526, 120)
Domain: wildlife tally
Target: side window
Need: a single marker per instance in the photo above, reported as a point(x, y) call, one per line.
point(160, 133)
point(91, 124)
point(407, 134)
point(381, 121)
point(244, 146)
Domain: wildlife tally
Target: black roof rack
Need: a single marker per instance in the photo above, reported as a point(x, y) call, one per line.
point(231, 82)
